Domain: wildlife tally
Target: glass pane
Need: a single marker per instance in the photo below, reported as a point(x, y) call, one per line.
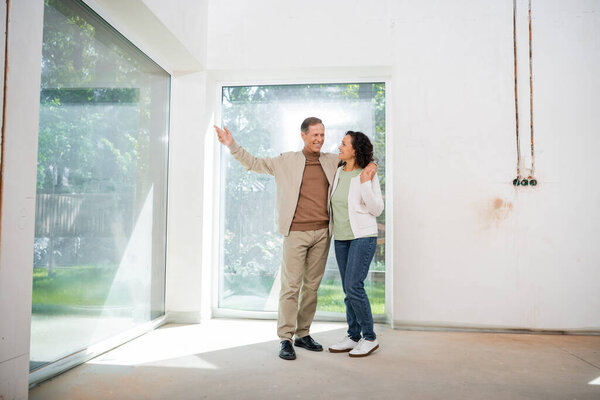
point(99, 255)
point(266, 121)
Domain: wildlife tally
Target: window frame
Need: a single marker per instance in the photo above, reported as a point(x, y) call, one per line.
point(217, 221)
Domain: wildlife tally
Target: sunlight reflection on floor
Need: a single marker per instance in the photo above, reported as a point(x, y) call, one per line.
point(180, 345)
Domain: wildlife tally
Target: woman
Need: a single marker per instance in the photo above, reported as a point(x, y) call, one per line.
point(355, 202)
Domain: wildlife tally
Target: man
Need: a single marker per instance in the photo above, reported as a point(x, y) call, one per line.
point(303, 179)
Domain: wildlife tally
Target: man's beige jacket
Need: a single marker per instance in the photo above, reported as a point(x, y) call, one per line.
point(288, 169)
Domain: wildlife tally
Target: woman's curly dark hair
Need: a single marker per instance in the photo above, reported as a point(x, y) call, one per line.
point(363, 149)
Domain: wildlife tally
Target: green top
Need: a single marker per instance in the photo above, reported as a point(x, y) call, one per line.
point(339, 206)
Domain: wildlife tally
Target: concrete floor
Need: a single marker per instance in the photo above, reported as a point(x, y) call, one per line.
point(237, 359)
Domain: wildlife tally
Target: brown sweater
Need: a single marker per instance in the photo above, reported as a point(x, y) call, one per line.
point(312, 211)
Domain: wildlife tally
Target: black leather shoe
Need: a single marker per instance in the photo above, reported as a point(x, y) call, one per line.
point(308, 343)
point(286, 350)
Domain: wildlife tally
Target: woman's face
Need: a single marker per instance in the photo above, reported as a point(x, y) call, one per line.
point(346, 151)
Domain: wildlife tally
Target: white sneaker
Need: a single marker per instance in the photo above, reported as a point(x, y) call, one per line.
point(346, 344)
point(364, 348)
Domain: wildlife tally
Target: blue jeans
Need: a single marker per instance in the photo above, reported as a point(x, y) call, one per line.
point(354, 258)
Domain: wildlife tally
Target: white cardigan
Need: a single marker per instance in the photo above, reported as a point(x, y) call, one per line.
point(364, 204)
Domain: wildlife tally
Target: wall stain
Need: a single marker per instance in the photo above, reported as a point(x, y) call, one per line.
point(497, 211)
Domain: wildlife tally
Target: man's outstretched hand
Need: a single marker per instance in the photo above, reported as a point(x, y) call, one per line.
point(224, 136)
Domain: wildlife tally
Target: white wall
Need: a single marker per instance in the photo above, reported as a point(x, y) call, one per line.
point(470, 250)
point(185, 215)
point(286, 34)
point(473, 250)
point(19, 165)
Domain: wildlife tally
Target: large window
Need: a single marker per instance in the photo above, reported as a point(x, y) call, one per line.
point(266, 121)
point(99, 256)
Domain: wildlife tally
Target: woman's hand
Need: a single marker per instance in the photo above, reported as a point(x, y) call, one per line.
point(224, 136)
point(368, 172)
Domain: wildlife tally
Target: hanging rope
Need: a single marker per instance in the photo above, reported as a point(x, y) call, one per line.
point(531, 177)
point(517, 180)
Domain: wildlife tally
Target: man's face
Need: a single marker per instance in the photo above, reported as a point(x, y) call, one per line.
point(314, 138)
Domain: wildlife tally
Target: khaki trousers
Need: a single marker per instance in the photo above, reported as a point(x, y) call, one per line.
point(304, 258)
